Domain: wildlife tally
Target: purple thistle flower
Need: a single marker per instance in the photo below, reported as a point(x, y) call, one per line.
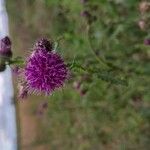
point(5, 47)
point(45, 71)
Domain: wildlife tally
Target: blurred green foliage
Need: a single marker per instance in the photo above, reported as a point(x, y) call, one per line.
point(98, 115)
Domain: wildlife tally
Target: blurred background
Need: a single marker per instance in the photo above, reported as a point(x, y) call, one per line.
point(89, 113)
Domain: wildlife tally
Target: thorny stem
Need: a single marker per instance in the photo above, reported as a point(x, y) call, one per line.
point(77, 65)
point(102, 74)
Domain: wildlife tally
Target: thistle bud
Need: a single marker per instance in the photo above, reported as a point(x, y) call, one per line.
point(5, 52)
point(5, 47)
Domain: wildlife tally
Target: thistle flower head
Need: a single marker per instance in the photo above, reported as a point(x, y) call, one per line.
point(5, 47)
point(45, 71)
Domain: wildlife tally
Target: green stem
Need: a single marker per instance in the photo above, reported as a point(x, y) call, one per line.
point(99, 59)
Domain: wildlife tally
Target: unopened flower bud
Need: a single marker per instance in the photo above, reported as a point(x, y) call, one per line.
point(5, 52)
point(5, 47)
